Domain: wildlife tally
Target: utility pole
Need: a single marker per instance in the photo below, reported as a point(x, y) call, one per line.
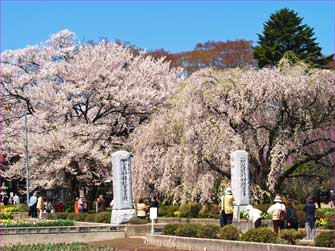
point(27, 154)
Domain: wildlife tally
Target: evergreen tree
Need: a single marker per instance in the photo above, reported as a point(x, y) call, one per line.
point(284, 32)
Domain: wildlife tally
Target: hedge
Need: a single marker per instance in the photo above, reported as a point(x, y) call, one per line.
point(261, 234)
point(229, 232)
point(325, 239)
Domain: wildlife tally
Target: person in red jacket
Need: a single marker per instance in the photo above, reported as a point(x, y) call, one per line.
point(76, 209)
point(59, 206)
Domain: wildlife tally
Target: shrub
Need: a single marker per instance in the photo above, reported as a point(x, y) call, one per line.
point(6, 215)
point(229, 232)
point(72, 216)
point(330, 221)
point(191, 209)
point(292, 235)
point(261, 234)
point(136, 220)
point(104, 217)
point(319, 214)
point(61, 215)
point(92, 218)
point(263, 207)
point(301, 218)
point(208, 231)
point(170, 229)
point(325, 239)
point(209, 211)
point(40, 223)
point(187, 230)
point(171, 210)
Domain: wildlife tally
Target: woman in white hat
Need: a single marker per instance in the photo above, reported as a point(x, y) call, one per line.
point(227, 208)
point(276, 210)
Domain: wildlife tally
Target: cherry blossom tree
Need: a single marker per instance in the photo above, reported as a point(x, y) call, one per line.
point(83, 103)
point(282, 117)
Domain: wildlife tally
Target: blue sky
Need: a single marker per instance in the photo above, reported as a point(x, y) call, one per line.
point(172, 25)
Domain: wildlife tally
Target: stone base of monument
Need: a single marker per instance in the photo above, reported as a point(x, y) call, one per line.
point(122, 216)
point(238, 210)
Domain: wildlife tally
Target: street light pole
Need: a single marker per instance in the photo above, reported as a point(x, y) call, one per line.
point(27, 155)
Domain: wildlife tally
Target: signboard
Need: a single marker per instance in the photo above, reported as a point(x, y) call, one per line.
point(240, 177)
point(153, 213)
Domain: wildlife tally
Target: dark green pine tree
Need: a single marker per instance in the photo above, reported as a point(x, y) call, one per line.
point(284, 32)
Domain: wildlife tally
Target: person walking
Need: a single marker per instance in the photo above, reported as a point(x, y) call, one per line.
point(81, 204)
point(59, 206)
point(331, 198)
point(32, 205)
point(101, 203)
point(277, 211)
point(254, 216)
point(76, 210)
point(16, 199)
point(227, 208)
point(309, 210)
point(40, 206)
point(291, 219)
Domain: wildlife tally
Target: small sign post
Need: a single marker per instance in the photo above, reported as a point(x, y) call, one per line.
point(153, 217)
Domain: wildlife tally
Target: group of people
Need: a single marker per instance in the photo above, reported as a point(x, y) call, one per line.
point(283, 216)
point(13, 199)
point(142, 208)
point(81, 204)
point(37, 203)
point(286, 217)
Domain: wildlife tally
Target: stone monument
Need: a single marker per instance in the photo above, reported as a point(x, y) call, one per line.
point(240, 181)
point(123, 209)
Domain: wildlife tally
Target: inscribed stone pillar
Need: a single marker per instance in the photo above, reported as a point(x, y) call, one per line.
point(122, 188)
point(240, 180)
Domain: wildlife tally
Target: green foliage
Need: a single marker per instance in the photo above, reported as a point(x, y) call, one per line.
point(284, 32)
point(58, 246)
point(171, 211)
point(208, 231)
point(321, 222)
point(136, 220)
point(6, 215)
point(209, 211)
point(188, 230)
point(50, 223)
point(263, 207)
point(191, 209)
point(167, 211)
point(326, 211)
point(261, 234)
point(170, 229)
point(325, 239)
point(330, 221)
point(319, 214)
point(104, 217)
point(229, 232)
point(292, 235)
point(14, 208)
point(61, 215)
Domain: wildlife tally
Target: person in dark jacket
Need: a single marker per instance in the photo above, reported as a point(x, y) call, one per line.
point(291, 220)
point(309, 210)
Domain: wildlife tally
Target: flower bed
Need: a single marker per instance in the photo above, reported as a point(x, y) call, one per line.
point(58, 246)
point(48, 223)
